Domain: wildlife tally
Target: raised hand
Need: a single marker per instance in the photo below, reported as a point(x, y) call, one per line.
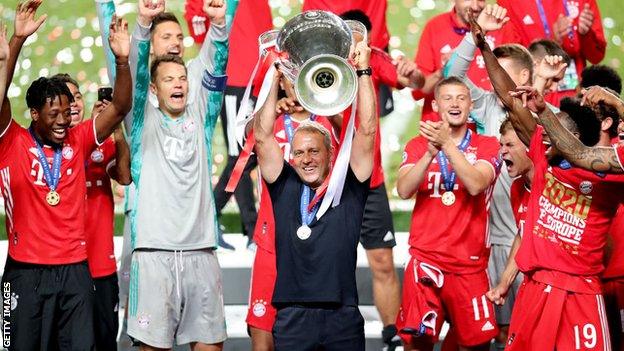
point(562, 28)
point(215, 9)
point(586, 19)
point(405, 67)
point(288, 105)
point(98, 107)
point(119, 38)
point(25, 22)
point(361, 55)
point(551, 66)
point(493, 17)
point(594, 95)
point(477, 32)
point(530, 97)
point(148, 10)
point(4, 44)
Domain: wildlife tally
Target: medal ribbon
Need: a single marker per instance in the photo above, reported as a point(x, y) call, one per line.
point(51, 176)
point(542, 14)
point(449, 177)
point(307, 214)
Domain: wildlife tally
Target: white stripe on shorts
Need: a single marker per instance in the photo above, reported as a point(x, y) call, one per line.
point(603, 323)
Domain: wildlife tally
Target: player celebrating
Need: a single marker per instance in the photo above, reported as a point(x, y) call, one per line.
point(449, 169)
point(44, 179)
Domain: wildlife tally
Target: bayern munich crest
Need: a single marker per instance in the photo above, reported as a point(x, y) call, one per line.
point(68, 152)
point(97, 156)
point(585, 187)
point(259, 308)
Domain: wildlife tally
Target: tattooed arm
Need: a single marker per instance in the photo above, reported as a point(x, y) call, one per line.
point(520, 116)
point(592, 158)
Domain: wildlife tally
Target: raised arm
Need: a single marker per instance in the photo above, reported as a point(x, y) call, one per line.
point(521, 118)
point(4, 56)
point(207, 77)
point(595, 95)
point(548, 68)
point(591, 158)
point(593, 45)
point(25, 25)
point(361, 160)
point(408, 74)
point(121, 171)
point(114, 113)
point(270, 157)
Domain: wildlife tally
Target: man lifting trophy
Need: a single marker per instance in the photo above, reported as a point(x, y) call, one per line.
point(317, 216)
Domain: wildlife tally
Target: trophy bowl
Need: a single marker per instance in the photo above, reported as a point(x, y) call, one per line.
point(318, 45)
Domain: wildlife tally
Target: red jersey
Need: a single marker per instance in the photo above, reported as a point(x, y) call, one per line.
point(37, 232)
point(525, 19)
point(438, 40)
point(570, 212)
point(615, 266)
point(375, 10)
point(100, 210)
point(454, 238)
point(252, 18)
point(264, 232)
point(519, 195)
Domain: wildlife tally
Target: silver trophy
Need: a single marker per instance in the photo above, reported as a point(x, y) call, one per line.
point(317, 44)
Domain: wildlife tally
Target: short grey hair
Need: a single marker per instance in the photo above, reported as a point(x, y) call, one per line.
point(314, 127)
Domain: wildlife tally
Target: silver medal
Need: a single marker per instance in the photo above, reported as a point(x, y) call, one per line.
point(304, 232)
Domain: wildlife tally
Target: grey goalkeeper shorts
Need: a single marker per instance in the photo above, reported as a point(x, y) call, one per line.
point(175, 296)
point(496, 267)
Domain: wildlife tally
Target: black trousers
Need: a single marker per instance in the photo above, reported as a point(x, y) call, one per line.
point(47, 307)
point(106, 312)
point(244, 191)
point(316, 328)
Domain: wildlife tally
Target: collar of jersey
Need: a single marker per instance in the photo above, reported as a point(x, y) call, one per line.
point(171, 121)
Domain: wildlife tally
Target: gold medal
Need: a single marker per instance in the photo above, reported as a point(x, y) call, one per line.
point(304, 232)
point(448, 198)
point(53, 198)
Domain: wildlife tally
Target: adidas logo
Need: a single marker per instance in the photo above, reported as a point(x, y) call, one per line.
point(389, 236)
point(528, 20)
point(487, 326)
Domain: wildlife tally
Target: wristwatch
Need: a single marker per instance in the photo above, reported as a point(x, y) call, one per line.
point(361, 72)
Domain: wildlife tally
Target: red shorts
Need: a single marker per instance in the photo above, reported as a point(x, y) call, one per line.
point(549, 318)
point(260, 312)
point(613, 292)
point(461, 301)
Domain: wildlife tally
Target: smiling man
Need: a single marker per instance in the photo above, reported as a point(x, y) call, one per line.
point(315, 291)
point(43, 185)
point(174, 225)
point(450, 170)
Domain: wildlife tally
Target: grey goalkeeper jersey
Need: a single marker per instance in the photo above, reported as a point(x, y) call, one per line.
point(172, 158)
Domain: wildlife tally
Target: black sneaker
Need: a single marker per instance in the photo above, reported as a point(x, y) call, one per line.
point(390, 338)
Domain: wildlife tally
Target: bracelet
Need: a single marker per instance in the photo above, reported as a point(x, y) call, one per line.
point(364, 72)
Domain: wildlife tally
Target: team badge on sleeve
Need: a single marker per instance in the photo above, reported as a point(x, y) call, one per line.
point(259, 308)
